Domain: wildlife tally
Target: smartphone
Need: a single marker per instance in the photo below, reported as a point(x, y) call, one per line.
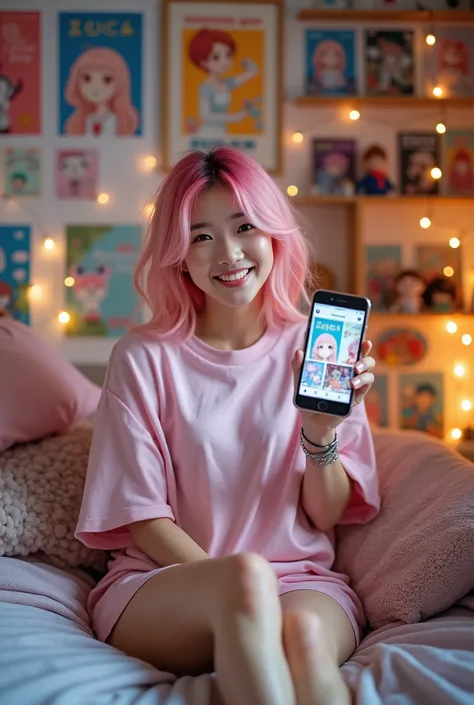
point(336, 329)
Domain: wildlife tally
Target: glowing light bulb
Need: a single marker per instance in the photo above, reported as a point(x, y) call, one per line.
point(441, 128)
point(292, 190)
point(149, 209)
point(354, 115)
point(437, 91)
point(64, 317)
point(451, 327)
point(454, 242)
point(49, 244)
point(297, 137)
point(456, 433)
point(430, 39)
point(34, 292)
point(103, 198)
point(466, 405)
point(448, 271)
point(459, 370)
point(149, 162)
point(69, 281)
point(425, 222)
point(436, 172)
point(466, 339)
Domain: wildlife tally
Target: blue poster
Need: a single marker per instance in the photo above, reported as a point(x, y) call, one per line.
point(15, 270)
point(326, 338)
point(100, 73)
point(100, 260)
point(330, 62)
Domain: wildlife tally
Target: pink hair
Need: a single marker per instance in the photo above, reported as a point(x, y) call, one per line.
point(325, 338)
point(101, 58)
point(171, 295)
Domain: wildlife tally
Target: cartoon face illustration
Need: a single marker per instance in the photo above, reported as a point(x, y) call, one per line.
point(97, 86)
point(213, 51)
point(90, 289)
point(74, 165)
point(325, 348)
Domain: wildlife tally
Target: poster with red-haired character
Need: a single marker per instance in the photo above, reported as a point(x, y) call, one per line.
point(458, 147)
point(222, 65)
point(20, 73)
point(452, 63)
point(100, 71)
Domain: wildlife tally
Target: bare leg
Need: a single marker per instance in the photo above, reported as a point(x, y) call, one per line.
point(223, 613)
point(318, 638)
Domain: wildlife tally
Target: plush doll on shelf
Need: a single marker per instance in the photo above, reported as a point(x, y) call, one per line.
point(440, 295)
point(375, 181)
point(409, 286)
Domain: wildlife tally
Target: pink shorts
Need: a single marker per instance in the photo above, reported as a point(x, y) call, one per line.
point(115, 596)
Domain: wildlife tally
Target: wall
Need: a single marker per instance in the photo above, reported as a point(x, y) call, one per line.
point(130, 189)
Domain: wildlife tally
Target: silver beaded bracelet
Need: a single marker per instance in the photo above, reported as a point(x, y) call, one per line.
point(327, 455)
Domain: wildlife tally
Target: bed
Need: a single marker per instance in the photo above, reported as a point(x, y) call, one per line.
point(413, 568)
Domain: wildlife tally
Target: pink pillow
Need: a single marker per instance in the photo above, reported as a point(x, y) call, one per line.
point(40, 392)
point(417, 557)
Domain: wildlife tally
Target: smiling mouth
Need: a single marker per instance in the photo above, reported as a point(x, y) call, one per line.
point(234, 276)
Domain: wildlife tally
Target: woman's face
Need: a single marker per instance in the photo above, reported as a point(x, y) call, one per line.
point(325, 350)
point(220, 59)
point(97, 86)
point(229, 259)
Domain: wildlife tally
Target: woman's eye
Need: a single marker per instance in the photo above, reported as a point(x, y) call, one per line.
point(245, 228)
point(201, 238)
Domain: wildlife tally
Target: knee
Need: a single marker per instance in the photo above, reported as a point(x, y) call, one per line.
point(252, 583)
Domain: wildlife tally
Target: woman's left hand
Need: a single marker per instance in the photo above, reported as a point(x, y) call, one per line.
point(319, 427)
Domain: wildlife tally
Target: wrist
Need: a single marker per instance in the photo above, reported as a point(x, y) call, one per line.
point(318, 437)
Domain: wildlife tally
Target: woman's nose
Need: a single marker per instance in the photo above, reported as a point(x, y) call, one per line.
point(230, 251)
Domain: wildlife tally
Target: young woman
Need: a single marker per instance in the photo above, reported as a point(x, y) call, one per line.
point(221, 527)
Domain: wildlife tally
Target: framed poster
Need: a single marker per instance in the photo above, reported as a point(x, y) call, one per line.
point(100, 73)
point(22, 171)
point(15, 256)
point(101, 260)
point(20, 73)
point(222, 78)
point(77, 173)
point(421, 404)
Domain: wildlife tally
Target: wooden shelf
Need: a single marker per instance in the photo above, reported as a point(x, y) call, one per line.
point(315, 200)
point(388, 16)
point(383, 101)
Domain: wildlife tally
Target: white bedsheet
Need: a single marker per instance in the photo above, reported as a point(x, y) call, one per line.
point(48, 655)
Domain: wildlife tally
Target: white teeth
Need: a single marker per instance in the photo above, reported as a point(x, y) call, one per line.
point(234, 277)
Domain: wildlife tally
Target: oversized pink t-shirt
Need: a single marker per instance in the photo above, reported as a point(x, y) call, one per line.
point(210, 439)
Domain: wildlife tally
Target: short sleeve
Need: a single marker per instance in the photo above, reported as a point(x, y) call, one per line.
point(357, 454)
point(126, 478)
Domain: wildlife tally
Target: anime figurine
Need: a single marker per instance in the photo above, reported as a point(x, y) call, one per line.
point(99, 88)
point(325, 348)
point(453, 68)
point(213, 51)
point(409, 286)
point(375, 181)
point(8, 91)
point(440, 295)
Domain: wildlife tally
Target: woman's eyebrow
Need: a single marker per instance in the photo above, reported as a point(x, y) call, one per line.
point(197, 226)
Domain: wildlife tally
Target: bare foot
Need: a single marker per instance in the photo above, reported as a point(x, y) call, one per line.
point(316, 676)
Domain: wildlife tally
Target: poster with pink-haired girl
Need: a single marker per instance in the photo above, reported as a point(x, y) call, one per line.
point(100, 66)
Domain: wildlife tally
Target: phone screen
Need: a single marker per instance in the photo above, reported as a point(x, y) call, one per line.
point(332, 350)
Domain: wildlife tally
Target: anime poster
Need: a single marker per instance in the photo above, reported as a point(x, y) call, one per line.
point(77, 173)
point(22, 171)
point(389, 62)
point(20, 73)
point(421, 403)
point(419, 152)
point(222, 83)
point(101, 260)
point(330, 62)
point(441, 268)
point(376, 402)
point(100, 74)
point(383, 263)
point(458, 160)
point(15, 258)
point(334, 167)
point(452, 62)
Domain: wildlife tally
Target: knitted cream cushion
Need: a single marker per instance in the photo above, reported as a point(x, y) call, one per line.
point(41, 487)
